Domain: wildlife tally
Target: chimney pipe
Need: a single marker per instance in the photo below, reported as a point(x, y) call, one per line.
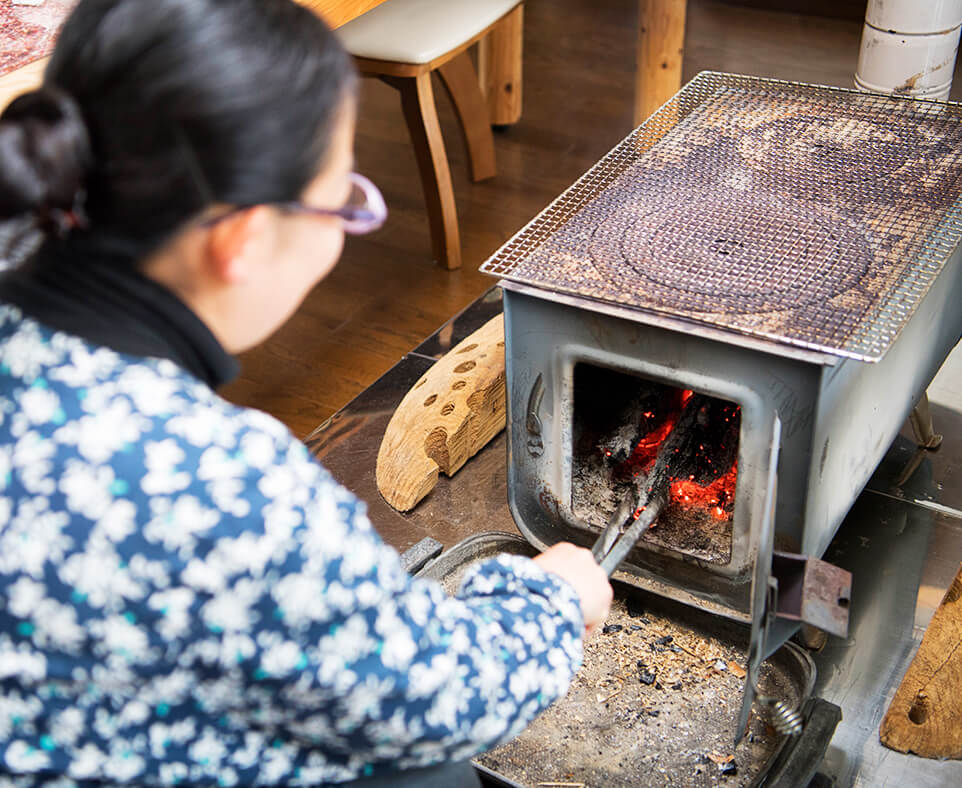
point(909, 47)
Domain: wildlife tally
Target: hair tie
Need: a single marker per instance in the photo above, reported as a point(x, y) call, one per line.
point(62, 222)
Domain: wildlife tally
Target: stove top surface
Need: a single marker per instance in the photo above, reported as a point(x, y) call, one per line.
point(806, 215)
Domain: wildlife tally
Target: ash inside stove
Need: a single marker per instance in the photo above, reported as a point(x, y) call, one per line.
point(621, 429)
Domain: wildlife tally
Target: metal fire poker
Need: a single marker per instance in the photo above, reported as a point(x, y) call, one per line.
point(645, 502)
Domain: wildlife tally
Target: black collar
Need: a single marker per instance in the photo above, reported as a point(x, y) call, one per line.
point(106, 301)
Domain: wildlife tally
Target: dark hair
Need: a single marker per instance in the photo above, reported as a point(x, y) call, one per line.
point(157, 109)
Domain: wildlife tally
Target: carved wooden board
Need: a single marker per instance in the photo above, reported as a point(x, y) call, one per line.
point(446, 417)
point(925, 716)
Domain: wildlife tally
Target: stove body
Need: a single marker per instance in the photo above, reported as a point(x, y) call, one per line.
point(789, 249)
point(838, 417)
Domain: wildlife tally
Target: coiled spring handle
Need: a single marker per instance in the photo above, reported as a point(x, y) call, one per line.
point(785, 719)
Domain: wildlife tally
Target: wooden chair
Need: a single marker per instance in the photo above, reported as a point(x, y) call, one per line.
point(402, 42)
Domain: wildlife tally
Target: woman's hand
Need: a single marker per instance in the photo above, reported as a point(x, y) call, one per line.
point(577, 566)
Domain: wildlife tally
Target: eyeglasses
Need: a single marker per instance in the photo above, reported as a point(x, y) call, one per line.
point(363, 212)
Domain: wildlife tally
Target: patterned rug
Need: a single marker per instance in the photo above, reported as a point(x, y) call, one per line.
point(28, 30)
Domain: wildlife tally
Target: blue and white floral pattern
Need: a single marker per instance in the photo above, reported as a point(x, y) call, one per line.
point(188, 598)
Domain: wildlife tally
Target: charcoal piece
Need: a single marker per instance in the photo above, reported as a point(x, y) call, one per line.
point(607, 630)
point(646, 677)
point(636, 628)
point(665, 640)
point(676, 685)
point(635, 610)
point(728, 769)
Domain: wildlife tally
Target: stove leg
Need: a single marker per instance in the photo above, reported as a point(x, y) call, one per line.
point(812, 638)
point(911, 466)
point(921, 420)
point(925, 435)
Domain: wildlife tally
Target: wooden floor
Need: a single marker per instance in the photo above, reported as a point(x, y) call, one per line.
point(387, 294)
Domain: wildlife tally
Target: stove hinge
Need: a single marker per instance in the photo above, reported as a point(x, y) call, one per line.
point(812, 591)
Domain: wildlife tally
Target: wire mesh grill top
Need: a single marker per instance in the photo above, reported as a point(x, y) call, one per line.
point(813, 216)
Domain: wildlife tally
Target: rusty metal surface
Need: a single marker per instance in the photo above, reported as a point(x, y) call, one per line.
point(810, 216)
point(813, 591)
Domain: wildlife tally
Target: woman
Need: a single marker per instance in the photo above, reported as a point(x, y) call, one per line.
point(188, 598)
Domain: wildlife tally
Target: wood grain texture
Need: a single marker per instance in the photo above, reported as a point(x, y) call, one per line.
point(500, 67)
point(461, 81)
point(447, 417)
point(661, 48)
point(420, 113)
point(925, 716)
point(339, 12)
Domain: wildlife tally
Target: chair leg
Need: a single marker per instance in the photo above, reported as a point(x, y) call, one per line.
point(499, 68)
point(461, 81)
point(417, 101)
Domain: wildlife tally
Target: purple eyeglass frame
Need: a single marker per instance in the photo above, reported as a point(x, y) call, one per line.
point(357, 220)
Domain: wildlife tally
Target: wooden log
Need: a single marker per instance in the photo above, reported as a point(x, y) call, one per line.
point(923, 717)
point(446, 418)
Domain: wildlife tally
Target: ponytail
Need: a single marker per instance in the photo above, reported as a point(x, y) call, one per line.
point(44, 159)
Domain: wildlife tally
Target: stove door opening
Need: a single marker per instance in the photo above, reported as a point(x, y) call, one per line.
point(631, 435)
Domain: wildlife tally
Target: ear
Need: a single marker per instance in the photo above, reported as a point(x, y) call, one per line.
point(233, 244)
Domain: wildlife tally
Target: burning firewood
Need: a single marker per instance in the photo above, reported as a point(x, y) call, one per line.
point(650, 490)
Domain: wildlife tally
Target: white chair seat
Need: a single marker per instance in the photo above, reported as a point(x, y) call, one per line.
point(418, 31)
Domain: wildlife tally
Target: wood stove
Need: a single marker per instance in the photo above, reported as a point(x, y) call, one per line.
point(788, 252)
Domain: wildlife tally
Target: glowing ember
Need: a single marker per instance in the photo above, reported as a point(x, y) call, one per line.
point(718, 497)
point(705, 455)
point(635, 442)
point(646, 450)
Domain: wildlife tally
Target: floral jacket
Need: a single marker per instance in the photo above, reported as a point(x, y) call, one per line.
point(188, 598)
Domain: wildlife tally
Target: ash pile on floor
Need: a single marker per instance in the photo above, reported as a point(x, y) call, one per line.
point(655, 704)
